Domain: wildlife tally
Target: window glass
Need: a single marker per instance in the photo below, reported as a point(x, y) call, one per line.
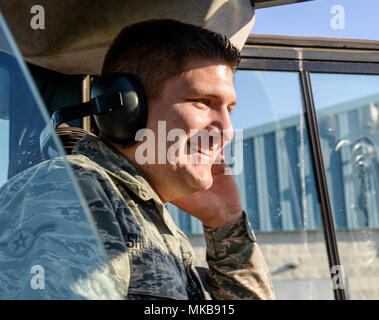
point(4, 123)
point(49, 248)
point(348, 116)
point(277, 183)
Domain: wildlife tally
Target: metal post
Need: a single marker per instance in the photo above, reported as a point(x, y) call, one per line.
point(86, 96)
point(321, 182)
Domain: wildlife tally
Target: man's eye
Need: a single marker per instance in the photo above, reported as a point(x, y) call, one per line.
point(202, 101)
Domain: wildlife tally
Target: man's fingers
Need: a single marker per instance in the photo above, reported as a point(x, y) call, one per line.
point(218, 168)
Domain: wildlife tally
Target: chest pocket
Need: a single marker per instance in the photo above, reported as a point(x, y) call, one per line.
point(156, 270)
point(154, 273)
point(156, 267)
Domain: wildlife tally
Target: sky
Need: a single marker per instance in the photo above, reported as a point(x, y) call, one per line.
point(314, 19)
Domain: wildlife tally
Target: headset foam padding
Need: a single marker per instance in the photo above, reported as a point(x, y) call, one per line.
point(121, 123)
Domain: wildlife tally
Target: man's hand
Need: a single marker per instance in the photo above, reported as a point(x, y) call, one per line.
point(217, 206)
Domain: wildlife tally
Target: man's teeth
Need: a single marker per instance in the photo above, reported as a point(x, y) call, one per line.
point(206, 152)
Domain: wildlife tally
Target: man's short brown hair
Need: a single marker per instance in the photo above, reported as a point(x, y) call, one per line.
point(156, 50)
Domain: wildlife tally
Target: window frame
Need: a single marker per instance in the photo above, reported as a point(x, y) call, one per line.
point(318, 55)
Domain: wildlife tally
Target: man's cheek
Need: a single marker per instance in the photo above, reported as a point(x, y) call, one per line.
point(176, 146)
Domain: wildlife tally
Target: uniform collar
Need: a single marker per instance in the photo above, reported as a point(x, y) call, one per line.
point(117, 165)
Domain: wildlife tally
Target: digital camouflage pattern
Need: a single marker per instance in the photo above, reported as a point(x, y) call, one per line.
point(137, 230)
point(44, 226)
point(237, 267)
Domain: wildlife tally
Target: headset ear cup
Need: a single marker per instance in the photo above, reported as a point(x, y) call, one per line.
point(120, 125)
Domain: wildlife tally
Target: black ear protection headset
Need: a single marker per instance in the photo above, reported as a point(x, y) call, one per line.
point(118, 104)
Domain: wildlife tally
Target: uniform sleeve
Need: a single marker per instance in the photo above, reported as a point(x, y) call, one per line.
point(104, 205)
point(237, 269)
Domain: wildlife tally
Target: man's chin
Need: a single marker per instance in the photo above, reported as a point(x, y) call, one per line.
point(201, 180)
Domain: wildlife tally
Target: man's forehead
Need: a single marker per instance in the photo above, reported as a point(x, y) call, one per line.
point(207, 71)
point(209, 80)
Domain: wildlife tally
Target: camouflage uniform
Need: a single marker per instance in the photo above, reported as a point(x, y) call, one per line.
point(138, 231)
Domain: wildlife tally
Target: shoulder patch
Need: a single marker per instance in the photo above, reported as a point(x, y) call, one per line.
point(23, 239)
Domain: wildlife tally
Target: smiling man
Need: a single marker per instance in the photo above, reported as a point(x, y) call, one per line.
point(187, 74)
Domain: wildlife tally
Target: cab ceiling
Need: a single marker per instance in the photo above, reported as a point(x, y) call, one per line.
point(78, 32)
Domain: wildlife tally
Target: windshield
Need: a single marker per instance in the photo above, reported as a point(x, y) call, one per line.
point(49, 247)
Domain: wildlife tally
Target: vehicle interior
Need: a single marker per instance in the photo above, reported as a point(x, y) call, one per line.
point(309, 171)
